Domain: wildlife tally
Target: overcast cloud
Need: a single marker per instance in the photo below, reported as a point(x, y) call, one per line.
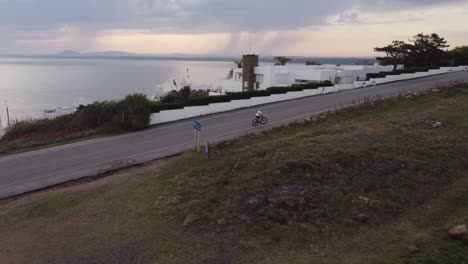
point(47, 19)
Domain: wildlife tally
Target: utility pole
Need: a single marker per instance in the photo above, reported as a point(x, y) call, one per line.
point(249, 44)
point(8, 114)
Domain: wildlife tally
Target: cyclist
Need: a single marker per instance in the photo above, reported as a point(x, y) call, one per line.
point(259, 114)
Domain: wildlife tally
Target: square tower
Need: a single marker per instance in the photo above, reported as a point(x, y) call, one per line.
point(249, 62)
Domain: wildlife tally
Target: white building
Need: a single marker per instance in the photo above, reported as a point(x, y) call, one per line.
point(275, 75)
point(163, 89)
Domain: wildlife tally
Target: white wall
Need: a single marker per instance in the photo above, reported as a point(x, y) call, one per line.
point(283, 76)
point(223, 86)
point(194, 111)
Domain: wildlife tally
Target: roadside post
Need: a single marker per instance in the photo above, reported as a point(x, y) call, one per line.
point(197, 127)
point(8, 114)
point(207, 150)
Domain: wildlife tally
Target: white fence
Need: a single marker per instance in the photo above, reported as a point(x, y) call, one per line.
point(194, 111)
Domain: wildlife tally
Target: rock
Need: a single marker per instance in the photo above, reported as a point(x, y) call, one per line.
point(413, 249)
point(435, 90)
point(433, 124)
point(191, 218)
point(364, 199)
point(459, 232)
point(363, 218)
point(375, 204)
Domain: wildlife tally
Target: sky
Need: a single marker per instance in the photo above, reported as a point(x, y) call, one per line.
point(221, 27)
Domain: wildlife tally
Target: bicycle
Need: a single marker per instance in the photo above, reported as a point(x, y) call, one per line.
point(263, 120)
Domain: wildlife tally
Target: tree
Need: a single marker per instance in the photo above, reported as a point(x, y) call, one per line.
point(185, 93)
point(172, 97)
point(423, 50)
point(281, 60)
point(459, 56)
point(396, 53)
point(427, 50)
point(238, 64)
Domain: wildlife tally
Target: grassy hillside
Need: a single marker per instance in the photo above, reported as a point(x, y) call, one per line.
point(357, 186)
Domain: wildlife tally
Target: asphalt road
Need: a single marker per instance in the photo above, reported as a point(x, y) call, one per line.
point(38, 169)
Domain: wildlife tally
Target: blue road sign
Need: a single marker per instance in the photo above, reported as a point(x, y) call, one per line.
point(197, 126)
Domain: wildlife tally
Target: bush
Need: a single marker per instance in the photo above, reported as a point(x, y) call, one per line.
point(420, 69)
point(239, 95)
point(391, 73)
point(402, 71)
point(132, 113)
point(136, 111)
point(98, 113)
point(208, 100)
point(278, 90)
point(161, 106)
point(375, 75)
point(406, 71)
point(306, 86)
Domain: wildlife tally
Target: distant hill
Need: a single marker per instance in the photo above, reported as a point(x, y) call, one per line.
point(69, 53)
point(110, 54)
point(120, 55)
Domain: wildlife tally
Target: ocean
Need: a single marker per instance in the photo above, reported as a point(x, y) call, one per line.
point(30, 85)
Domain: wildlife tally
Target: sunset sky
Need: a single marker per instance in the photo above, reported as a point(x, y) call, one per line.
point(219, 27)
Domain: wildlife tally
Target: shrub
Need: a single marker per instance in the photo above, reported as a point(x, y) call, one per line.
point(136, 111)
point(238, 95)
point(306, 86)
point(278, 90)
point(391, 73)
point(420, 69)
point(259, 93)
point(132, 113)
point(208, 100)
point(407, 71)
point(98, 113)
point(375, 75)
point(161, 106)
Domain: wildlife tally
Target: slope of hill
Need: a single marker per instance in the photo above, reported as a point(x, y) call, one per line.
point(381, 183)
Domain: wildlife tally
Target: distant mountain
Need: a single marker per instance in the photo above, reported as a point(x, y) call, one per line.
point(120, 55)
point(110, 54)
point(69, 53)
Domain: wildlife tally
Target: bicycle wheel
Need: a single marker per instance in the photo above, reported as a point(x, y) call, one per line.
point(264, 120)
point(255, 122)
